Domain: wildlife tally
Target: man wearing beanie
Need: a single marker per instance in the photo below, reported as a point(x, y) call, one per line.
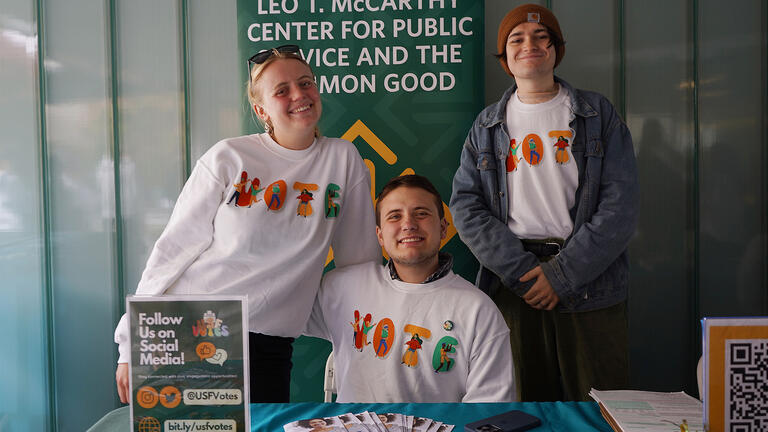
point(546, 199)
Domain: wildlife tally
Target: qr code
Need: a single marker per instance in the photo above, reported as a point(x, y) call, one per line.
point(746, 371)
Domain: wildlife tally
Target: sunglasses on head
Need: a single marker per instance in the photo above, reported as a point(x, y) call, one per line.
point(262, 56)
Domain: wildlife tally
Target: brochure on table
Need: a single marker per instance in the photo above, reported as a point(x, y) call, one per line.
point(189, 363)
point(647, 411)
point(368, 421)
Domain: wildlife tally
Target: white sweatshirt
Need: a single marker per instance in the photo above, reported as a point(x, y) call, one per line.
point(448, 311)
point(275, 256)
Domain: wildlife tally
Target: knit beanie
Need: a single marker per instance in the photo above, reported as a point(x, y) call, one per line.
point(528, 13)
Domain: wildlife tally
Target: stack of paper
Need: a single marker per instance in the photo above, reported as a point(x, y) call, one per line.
point(628, 410)
point(368, 422)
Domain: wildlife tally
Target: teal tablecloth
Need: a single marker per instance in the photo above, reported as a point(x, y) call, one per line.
point(555, 416)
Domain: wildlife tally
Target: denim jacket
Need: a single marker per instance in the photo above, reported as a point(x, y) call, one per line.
point(591, 270)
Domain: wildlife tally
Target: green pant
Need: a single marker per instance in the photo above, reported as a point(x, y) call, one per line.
point(560, 356)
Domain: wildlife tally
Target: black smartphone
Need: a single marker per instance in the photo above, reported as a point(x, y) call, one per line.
point(510, 421)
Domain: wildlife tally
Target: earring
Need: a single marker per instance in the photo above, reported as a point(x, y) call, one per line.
point(264, 122)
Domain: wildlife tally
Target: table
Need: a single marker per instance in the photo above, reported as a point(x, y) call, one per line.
point(555, 416)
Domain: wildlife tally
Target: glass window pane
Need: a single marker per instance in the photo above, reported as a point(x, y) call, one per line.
point(216, 93)
point(591, 60)
point(732, 200)
point(23, 367)
point(660, 117)
point(150, 124)
point(82, 209)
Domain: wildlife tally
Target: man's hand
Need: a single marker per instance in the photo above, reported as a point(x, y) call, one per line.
point(123, 388)
point(541, 295)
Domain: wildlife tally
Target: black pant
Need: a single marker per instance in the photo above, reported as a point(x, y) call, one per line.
point(270, 369)
point(560, 356)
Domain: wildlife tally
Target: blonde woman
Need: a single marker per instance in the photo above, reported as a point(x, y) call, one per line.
point(267, 250)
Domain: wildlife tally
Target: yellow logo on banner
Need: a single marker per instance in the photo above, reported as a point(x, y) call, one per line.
point(359, 129)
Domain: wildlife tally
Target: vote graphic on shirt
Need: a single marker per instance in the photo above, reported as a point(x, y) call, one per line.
point(246, 191)
point(385, 334)
point(383, 337)
point(561, 145)
point(245, 194)
point(440, 359)
point(275, 195)
point(361, 330)
point(305, 207)
point(331, 207)
point(512, 159)
point(532, 149)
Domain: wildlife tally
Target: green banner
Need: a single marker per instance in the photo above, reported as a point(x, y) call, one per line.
point(401, 79)
point(188, 363)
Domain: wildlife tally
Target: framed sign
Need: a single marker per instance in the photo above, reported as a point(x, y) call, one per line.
point(189, 363)
point(735, 373)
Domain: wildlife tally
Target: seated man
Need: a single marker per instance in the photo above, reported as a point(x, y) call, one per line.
point(412, 330)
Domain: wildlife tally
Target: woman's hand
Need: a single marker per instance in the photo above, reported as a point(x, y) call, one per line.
point(123, 384)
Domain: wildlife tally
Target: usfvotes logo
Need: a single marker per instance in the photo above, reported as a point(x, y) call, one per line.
point(210, 326)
